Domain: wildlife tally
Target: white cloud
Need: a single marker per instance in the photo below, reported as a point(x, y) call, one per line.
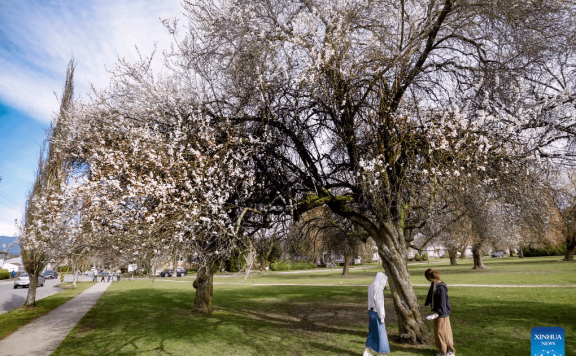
point(40, 37)
point(37, 39)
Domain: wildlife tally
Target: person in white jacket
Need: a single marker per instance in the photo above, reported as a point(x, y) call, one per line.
point(377, 340)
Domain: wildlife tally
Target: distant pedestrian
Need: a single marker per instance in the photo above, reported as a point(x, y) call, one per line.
point(103, 276)
point(110, 276)
point(94, 276)
point(377, 340)
point(118, 276)
point(13, 274)
point(440, 303)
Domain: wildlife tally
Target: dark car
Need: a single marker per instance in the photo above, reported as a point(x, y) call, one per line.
point(180, 272)
point(167, 273)
point(24, 280)
point(50, 274)
point(497, 254)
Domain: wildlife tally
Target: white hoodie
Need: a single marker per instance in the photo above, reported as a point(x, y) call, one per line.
point(376, 295)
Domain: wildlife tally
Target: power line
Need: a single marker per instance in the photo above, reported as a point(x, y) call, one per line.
point(6, 196)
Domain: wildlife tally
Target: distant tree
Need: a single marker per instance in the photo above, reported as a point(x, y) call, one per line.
point(563, 186)
point(48, 218)
point(570, 232)
point(266, 243)
point(320, 233)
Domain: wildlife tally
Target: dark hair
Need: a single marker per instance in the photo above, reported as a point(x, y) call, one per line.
point(431, 273)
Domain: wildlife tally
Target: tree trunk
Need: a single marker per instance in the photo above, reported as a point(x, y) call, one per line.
point(453, 254)
point(74, 275)
point(463, 253)
point(31, 297)
point(204, 289)
point(570, 246)
point(521, 252)
point(393, 254)
point(346, 268)
point(410, 323)
point(174, 266)
point(263, 264)
point(477, 255)
point(511, 251)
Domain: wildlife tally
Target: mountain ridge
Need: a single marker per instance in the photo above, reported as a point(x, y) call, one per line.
point(9, 240)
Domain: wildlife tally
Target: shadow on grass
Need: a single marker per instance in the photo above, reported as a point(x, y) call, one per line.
point(292, 320)
point(268, 320)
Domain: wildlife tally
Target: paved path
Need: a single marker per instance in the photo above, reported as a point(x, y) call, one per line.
point(43, 335)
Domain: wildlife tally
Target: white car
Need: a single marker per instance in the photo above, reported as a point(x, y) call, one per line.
point(92, 270)
point(24, 280)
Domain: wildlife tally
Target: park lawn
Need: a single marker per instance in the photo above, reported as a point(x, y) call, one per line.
point(505, 271)
point(18, 317)
point(511, 270)
point(137, 318)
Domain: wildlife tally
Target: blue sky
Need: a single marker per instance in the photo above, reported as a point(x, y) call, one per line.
point(37, 39)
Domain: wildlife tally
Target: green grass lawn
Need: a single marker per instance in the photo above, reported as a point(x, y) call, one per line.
point(508, 271)
point(18, 317)
point(137, 318)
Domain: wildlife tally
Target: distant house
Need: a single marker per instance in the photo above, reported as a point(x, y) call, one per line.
point(436, 251)
point(14, 264)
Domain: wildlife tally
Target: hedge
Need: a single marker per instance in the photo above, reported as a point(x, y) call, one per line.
point(291, 266)
point(4, 274)
point(545, 251)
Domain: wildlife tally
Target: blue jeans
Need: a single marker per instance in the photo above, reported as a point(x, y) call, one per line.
point(377, 338)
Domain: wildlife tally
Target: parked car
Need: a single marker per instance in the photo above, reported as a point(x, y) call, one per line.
point(50, 274)
point(24, 280)
point(167, 273)
point(497, 254)
point(181, 272)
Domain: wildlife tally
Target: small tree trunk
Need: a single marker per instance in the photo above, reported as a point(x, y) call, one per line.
point(477, 255)
point(31, 297)
point(204, 289)
point(263, 264)
point(453, 254)
point(346, 268)
point(511, 252)
point(463, 253)
point(174, 265)
point(521, 252)
point(74, 275)
point(570, 246)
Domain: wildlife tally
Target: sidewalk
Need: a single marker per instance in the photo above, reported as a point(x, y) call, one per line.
point(43, 335)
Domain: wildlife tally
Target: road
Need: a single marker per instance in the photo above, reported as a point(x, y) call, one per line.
point(11, 298)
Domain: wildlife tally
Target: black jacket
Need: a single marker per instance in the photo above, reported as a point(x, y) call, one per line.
point(441, 299)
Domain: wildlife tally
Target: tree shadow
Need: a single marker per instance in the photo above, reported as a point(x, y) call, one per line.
point(295, 321)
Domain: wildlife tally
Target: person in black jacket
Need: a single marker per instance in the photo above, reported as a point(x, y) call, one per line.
point(440, 304)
